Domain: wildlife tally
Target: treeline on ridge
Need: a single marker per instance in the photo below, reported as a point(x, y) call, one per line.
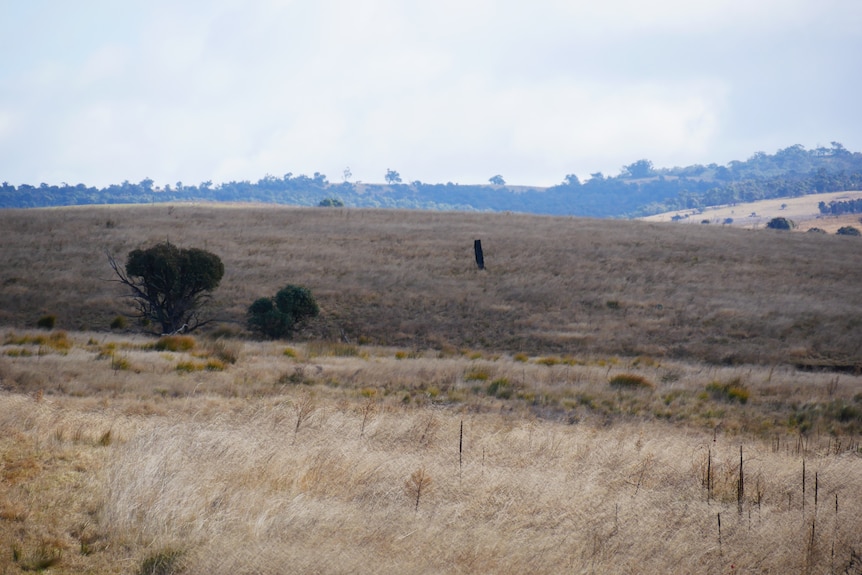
point(837, 208)
point(639, 189)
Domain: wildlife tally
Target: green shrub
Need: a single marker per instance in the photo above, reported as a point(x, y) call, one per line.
point(279, 316)
point(630, 381)
point(46, 321)
point(848, 231)
point(780, 224)
point(118, 322)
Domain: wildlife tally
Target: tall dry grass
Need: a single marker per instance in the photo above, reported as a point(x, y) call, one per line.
point(552, 285)
point(232, 491)
point(303, 462)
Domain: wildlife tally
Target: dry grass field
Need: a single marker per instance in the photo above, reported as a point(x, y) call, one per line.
point(803, 211)
point(552, 285)
point(607, 397)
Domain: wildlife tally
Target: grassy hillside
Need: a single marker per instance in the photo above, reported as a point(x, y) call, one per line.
point(580, 406)
point(803, 211)
point(552, 285)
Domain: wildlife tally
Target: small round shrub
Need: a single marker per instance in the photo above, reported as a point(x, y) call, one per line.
point(118, 322)
point(279, 316)
point(780, 224)
point(47, 321)
point(848, 231)
point(631, 381)
point(816, 231)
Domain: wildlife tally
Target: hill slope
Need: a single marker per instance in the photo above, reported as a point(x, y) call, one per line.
point(552, 285)
point(802, 210)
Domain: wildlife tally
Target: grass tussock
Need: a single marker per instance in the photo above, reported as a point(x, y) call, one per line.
point(175, 343)
point(733, 391)
point(631, 381)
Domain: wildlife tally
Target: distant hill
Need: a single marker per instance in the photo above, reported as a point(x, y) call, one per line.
point(804, 211)
point(638, 190)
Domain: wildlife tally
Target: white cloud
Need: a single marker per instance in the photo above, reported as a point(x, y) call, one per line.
point(445, 90)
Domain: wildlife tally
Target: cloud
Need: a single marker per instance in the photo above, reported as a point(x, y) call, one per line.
point(441, 91)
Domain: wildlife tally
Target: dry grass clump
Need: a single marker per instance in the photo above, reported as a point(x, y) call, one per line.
point(730, 391)
point(630, 381)
point(175, 343)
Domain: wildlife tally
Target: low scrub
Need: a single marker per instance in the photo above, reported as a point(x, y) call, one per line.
point(631, 381)
point(731, 392)
point(175, 343)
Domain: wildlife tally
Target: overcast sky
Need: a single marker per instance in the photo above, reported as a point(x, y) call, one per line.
point(98, 92)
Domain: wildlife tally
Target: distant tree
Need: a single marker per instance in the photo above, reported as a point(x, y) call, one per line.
point(320, 179)
point(779, 224)
point(497, 180)
point(598, 176)
point(639, 169)
point(848, 231)
point(347, 174)
point(331, 203)
point(723, 174)
point(279, 317)
point(392, 177)
point(571, 180)
point(168, 285)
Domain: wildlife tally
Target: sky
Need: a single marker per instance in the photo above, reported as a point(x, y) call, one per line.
point(102, 91)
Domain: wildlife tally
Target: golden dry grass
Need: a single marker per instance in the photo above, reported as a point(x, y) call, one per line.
point(215, 454)
point(302, 462)
point(803, 211)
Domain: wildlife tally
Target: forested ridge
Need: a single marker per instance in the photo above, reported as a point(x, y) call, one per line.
point(639, 189)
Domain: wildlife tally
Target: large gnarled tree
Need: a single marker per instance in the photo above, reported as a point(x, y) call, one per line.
point(169, 286)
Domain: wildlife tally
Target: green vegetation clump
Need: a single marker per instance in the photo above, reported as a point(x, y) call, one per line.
point(848, 231)
point(780, 224)
point(730, 392)
point(169, 285)
point(631, 381)
point(280, 316)
point(118, 322)
point(47, 321)
point(500, 388)
point(165, 562)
